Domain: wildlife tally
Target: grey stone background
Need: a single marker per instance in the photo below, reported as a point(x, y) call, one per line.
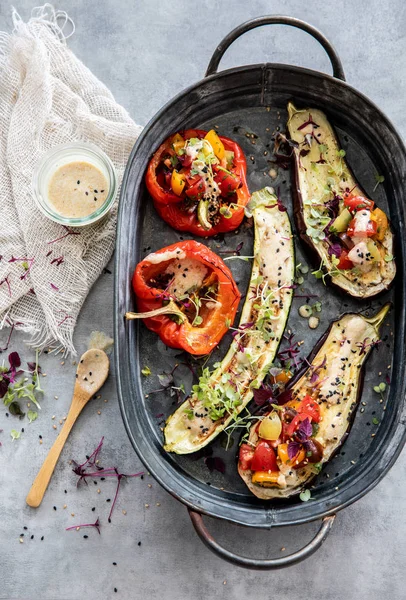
point(147, 51)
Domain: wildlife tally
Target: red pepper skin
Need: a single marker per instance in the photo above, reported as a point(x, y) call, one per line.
point(170, 207)
point(196, 340)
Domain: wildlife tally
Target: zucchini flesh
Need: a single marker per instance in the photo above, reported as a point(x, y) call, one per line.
point(321, 172)
point(221, 395)
point(342, 351)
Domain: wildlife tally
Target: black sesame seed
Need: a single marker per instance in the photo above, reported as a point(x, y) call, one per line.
point(42, 538)
point(87, 193)
point(40, 437)
point(66, 491)
point(93, 509)
point(115, 589)
point(78, 181)
point(54, 507)
point(108, 500)
point(114, 563)
point(32, 537)
point(85, 536)
point(25, 528)
point(95, 191)
point(139, 543)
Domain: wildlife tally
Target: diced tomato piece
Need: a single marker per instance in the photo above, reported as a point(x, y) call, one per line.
point(264, 458)
point(310, 408)
point(246, 456)
point(227, 182)
point(344, 262)
point(369, 231)
point(354, 203)
point(293, 425)
point(196, 187)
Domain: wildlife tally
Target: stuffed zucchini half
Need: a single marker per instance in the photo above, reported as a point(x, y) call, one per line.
point(221, 395)
point(287, 447)
point(349, 235)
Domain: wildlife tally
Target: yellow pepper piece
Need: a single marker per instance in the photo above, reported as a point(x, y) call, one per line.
point(283, 453)
point(177, 142)
point(177, 182)
point(216, 143)
point(382, 223)
point(265, 477)
point(282, 377)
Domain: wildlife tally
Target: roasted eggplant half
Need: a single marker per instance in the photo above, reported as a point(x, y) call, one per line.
point(287, 447)
point(221, 394)
point(349, 236)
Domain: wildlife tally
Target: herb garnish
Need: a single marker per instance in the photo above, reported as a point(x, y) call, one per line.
point(84, 471)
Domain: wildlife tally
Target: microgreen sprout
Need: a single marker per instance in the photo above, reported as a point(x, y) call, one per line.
point(96, 525)
point(83, 472)
point(305, 495)
point(378, 179)
point(380, 389)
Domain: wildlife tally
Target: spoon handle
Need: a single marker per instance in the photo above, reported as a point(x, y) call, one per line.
point(38, 488)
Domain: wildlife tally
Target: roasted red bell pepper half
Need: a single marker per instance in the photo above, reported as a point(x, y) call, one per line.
point(193, 292)
point(197, 181)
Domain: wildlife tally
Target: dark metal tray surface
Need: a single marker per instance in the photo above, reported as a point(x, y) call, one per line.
point(248, 104)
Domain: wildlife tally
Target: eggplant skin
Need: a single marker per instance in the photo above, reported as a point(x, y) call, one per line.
point(340, 282)
point(347, 409)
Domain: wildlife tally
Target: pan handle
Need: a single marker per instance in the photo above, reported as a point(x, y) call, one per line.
point(335, 60)
point(260, 564)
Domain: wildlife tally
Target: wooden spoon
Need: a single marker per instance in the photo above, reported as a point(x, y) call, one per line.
point(91, 373)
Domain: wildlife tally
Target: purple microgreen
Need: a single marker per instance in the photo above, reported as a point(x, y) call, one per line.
point(81, 471)
point(315, 369)
point(69, 232)
point(96, 525)
point(335, 250)
point(365, 345)
point(215, 463)
point(54, 287)
point(263, 395)
point(293, 449)
point(308, 122)
point(66, 318)
point(387, 379)
point(304, 430)
point(7, 282)
point(284, 397)
point(236, 252)
point(58, 261)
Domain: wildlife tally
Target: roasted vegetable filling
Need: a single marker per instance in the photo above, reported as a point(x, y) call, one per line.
point(187, 295)
point(197, 182)
point(350, 234)
point(288, 446)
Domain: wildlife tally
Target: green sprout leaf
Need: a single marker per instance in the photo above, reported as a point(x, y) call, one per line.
point(388, 257)
point(375, 421)
point(32, 415)
point(379, 179)
point(146, 371)
point(341, 153)
point(305, 495)
point(15, 434)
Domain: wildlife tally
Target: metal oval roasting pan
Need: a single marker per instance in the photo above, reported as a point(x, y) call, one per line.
point(248, 104)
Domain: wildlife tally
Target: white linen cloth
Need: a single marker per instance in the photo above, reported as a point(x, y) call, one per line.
point(48, 97)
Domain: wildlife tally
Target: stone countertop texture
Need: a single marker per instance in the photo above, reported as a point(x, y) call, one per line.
point(146, 52)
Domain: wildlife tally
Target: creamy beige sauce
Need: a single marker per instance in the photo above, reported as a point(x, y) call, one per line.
point(77, 189)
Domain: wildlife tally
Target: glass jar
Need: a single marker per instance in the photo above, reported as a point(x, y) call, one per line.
point(63, 155)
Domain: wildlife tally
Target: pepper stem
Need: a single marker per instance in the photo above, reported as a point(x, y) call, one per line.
point(377, 320)
point(169, 309)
